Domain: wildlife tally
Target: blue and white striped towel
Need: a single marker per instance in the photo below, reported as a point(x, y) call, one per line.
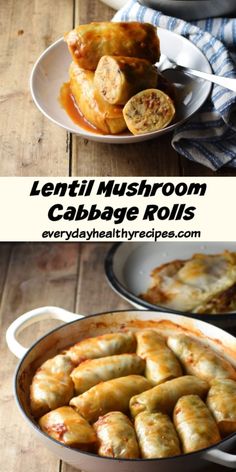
point(209, 137)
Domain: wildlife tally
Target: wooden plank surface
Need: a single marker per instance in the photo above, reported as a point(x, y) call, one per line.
point(37, 275)
point(30, 144)
point(68, 275)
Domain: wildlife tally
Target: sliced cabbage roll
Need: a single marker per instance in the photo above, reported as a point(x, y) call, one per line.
point(101, 114)
point(156, 435)
point(93, 371)
point(195, 425)
point(108, 396)
point(161, 363)
point(116, 436)
point(102, 346)
point(51, 385)
point(221, 401)
point(118, 78)
point(88, 43)
point(68, 427)
point(199, 359)
point(163, 397)
point(148, 111)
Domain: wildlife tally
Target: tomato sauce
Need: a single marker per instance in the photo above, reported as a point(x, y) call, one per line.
point(67, 102)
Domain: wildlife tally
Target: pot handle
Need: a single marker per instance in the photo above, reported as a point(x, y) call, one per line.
point(27, 319)
point(221, 457)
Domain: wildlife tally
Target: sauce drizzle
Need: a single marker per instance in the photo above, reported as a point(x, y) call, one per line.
point(67, 102)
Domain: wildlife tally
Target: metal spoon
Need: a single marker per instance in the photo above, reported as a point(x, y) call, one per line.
point(168, 64)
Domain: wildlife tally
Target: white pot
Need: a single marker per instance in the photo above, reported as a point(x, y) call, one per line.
point(77, 327)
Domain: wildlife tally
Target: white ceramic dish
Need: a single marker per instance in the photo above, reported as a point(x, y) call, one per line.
point(128, 267)
point(116, 4)
point(76, 328)
point(186, 9)
point(51, 71)
point(190, 9)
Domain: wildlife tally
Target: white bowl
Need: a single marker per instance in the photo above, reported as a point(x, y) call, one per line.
point(128, 267)
point(51, 71)
point(192, 9)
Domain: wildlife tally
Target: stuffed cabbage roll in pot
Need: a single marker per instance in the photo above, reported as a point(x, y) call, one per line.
point(163, 397)
point(116, 436)
point(93, 371)
point(195, 425)
point(51, 385)
point(102, 346)
point(157, 435)
point(221, 401)
point(88, 43)
point(199, 359)
point(161, 363)
point(111, 395)
point(68, 427)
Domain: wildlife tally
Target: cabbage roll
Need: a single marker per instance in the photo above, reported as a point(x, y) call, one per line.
point(101, 114)
point(161, 363)
point(195, 425)
point(111, 395)
point(156, 435)
point(68, 427)
point(148, 111)
point(52, 385)
point(116, 436)
point(93, 371)
point(190, 285)
point(221, 401)
point(102, 346)
point(88, 43)
point(118, 78)
point(163, 397)
point(199, 359)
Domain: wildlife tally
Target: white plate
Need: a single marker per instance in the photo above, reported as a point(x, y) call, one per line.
point(51, 71)
point(190, 9)
point(128, 267)
point(116, 4)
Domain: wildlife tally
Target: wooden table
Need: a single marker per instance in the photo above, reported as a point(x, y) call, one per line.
point(69, 275)
point(32, 145)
